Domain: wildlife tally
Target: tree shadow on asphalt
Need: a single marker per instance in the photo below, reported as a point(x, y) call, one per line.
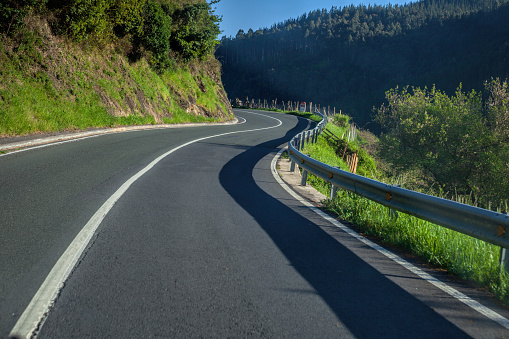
point(365, 301)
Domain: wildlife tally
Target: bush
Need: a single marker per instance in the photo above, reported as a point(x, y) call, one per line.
point(341, 120)
point(80, 19)
point(127, 17)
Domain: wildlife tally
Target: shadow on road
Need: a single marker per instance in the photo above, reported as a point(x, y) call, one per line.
point(367, 302)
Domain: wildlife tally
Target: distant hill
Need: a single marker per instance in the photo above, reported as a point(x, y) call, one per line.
point(349, 57)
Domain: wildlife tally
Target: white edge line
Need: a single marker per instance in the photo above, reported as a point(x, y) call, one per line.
point(423, 275)
point(35, 312)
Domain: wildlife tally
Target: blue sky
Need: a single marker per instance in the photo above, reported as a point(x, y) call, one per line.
point(246, 14)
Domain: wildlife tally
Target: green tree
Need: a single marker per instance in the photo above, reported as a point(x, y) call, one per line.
point(196, 31)
point(156, 34)
point(492, 181)
point(456, 142)
point(434, 135)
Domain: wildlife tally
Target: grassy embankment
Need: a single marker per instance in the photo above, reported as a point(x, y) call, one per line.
point(459, 254)
point(51, 84)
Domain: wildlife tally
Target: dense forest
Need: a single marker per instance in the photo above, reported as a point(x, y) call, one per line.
point(349, 57)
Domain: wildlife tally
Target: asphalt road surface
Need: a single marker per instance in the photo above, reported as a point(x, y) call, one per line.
point(204, 243)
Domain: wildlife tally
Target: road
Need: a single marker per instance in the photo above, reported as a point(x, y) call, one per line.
point(205, 243)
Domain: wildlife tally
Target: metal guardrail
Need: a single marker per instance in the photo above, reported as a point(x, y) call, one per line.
point(476, 222)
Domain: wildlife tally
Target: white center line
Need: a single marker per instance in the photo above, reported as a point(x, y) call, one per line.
point(34, 315)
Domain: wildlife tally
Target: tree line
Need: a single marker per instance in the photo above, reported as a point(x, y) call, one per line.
point(349, 57)
point(159, 30)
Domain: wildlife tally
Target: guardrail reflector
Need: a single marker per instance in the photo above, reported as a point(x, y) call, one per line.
point(501, 231)
point(389, 196)
point(330, 175)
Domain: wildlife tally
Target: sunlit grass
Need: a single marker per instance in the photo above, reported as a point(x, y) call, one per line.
point(76, 91)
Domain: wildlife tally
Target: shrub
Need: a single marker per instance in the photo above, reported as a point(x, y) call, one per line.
point(127, 17)
point(80, 19)
point(341, 120)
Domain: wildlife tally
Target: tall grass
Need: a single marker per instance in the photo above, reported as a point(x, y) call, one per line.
point(462, 255)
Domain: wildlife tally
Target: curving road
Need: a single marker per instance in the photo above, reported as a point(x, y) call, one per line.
point(203, 243)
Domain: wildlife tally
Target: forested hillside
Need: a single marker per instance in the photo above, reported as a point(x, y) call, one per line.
point(349, 57)
point(74, 64)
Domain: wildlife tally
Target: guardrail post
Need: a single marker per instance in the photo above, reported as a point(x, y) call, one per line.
point(292, 166)
point(304, 177)
point(333, 192)
point(393, 213)
point(504, 260)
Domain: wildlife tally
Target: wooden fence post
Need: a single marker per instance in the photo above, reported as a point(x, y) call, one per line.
point(355, 161)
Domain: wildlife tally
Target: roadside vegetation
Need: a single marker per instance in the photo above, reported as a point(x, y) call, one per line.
point(68, 65)
point(456, 146)
point(461, 255)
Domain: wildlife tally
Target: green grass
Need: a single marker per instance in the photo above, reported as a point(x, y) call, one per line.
point(306, 115)
point(76, 89)
point(464, 256)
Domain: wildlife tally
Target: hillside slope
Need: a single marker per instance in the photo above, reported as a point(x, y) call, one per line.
point(49, 82)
